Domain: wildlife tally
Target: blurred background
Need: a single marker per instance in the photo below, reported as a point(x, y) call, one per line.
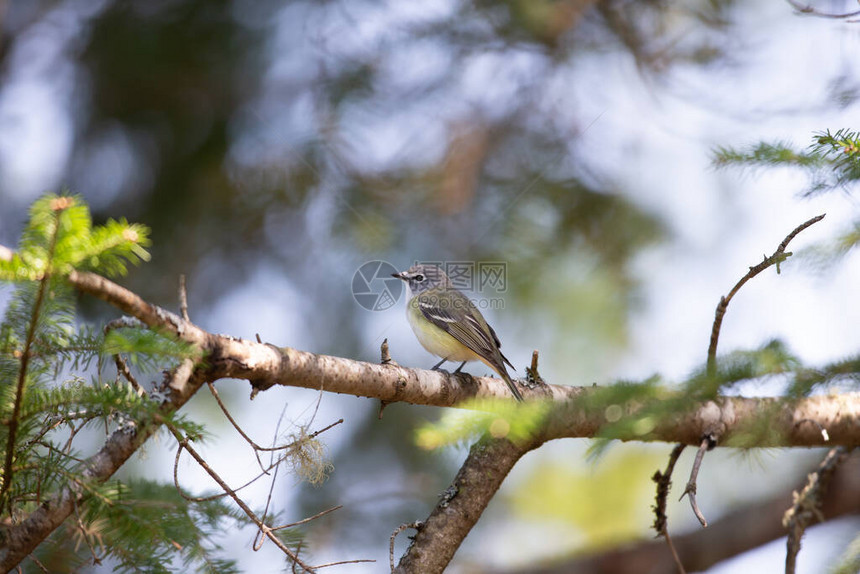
point(275, 147)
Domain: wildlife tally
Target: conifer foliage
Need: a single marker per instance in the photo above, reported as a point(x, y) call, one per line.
point(53, 406)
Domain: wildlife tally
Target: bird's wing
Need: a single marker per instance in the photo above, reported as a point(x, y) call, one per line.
point(464, 323)
point(499, 346)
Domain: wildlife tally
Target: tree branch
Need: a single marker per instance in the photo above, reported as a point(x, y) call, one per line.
point(807, 504)
point(661, 521)
point(461, 505)
point(739, 531)
point(794, 422)
point(21, 539)
point(810, 11)
point(789, 422)
point(22, 369)
point(690, 490)
point(778, 257)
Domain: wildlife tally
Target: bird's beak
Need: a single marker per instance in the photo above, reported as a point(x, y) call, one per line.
point(401, 275)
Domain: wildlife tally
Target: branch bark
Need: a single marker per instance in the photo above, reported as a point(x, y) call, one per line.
point(797, 422)
point(739, 531)
point(461, 505)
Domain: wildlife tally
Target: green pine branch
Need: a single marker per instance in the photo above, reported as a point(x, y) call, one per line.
point(147, 349)
point(831, 161)
point(144, 526)
point(46, 401)
point(107, 249)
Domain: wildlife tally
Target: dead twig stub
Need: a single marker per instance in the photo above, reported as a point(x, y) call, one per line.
point(708, 443)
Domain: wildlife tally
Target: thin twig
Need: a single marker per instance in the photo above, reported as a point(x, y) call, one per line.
point(674, 552)
point(258, 538)
point(50, 424)
point(248, 439)
point(62, 451)
point(315, 434)
point(416, 525)
point(121, 365)
point(190, 498)
point(664, 483)
point(85, 536)
point(308, 519)
point(184, 442)
point(183, 298)
point(810, 11)
point(778, 256)
point(341, 562)
point(298, 551)
point(264, 472)
point(690, 490)
point(39, 564)
point(67, 448)
point(122, 368)
point(806, 508)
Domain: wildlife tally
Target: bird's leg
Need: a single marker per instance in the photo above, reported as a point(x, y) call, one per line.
point(460, 367)
point(439, 364)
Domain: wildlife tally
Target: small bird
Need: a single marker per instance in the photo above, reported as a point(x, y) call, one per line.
point(449, 325)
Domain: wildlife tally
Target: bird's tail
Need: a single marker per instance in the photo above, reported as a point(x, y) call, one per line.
point(503, 372)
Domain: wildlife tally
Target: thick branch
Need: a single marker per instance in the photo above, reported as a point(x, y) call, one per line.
point(748, 527)
point(797, 422)
point(131, 303)
point(790, 423)
point(461, 505)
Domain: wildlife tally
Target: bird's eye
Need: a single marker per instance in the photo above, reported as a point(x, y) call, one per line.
point(419, 278)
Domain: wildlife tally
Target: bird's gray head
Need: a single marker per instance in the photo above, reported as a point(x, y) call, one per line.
point(422, 277)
